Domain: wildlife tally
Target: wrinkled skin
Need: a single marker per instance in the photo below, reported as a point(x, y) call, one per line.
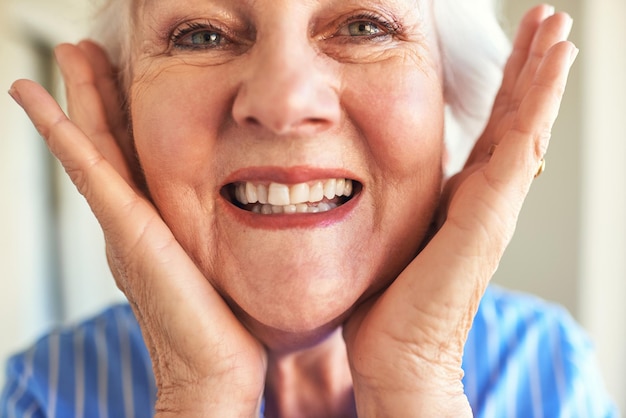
point(249, 110)
point(232, 309)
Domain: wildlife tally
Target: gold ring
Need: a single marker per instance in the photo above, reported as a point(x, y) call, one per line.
point(542, 167)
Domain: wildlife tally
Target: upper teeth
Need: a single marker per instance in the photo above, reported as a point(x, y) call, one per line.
point(277, 194)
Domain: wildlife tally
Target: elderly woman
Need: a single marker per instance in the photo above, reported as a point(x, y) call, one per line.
point(269, 177)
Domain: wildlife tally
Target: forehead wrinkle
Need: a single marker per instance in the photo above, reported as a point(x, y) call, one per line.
point(141, 4)
point(395, 4)
point(148, 3)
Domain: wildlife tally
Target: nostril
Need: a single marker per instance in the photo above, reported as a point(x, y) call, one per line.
point(252, 121)
point(320, 123)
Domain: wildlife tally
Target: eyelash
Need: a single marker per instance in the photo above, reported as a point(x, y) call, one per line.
point(386, 27)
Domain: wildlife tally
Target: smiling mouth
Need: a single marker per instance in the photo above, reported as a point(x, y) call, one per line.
point(276, 198)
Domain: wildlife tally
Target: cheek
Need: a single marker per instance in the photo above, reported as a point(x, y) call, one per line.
point(177, 116)
point(403, 125)
point(400, 116)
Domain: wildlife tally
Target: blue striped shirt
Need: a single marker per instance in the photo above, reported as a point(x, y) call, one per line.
point(523, 358)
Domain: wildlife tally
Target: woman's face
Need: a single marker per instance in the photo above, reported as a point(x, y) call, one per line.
point(328, 112)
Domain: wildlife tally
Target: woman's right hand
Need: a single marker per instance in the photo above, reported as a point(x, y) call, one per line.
point(406, 346)
point(204, 360)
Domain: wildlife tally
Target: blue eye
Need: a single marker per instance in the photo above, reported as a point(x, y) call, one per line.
point(363, 28)
point(368, 26)
point(198, 36)
point(205, 38)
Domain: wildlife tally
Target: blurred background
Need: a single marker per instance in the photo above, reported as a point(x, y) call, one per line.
point(570, 246)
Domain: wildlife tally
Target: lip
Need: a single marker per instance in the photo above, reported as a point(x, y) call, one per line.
point(291, 175)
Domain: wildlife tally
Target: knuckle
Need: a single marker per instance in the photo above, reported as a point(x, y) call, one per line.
point(541, 141)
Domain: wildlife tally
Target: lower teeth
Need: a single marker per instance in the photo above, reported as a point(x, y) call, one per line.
point(292, 209)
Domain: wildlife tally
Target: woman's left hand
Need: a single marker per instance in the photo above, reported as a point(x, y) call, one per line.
point(406, 346)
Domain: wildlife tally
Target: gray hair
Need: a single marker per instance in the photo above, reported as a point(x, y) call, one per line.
point(472, 44)
point(474, 49)
point(113, 29)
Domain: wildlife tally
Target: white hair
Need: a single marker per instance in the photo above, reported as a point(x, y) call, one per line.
point(472, 44)
point(474, 49)
point(113, 29)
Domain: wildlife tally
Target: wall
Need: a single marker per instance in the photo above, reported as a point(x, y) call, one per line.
point(542, 258)
point(603, 267)
point(570, 244)
point(52, 261)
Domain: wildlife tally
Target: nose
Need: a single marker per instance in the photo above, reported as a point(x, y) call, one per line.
point(287, 89)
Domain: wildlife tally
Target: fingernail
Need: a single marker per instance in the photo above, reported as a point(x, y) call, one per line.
point(551, 10)
point(15, 95)
point(573, 55)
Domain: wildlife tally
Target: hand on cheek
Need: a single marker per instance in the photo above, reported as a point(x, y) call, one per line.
point(201, 365)
point(406, 347)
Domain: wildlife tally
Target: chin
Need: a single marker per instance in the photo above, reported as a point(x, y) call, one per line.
point(308, 301)
point(292, 335)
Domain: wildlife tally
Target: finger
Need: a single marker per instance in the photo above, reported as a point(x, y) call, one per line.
point(140, 240)
point(503, 107)
point(107, 193)
point(86, 106)
point(107, 83)
point(553, 30)
point(521, 49)
point(519, 153)
point(83, 161)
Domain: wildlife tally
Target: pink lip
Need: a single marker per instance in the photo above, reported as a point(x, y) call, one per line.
point(292, 175)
